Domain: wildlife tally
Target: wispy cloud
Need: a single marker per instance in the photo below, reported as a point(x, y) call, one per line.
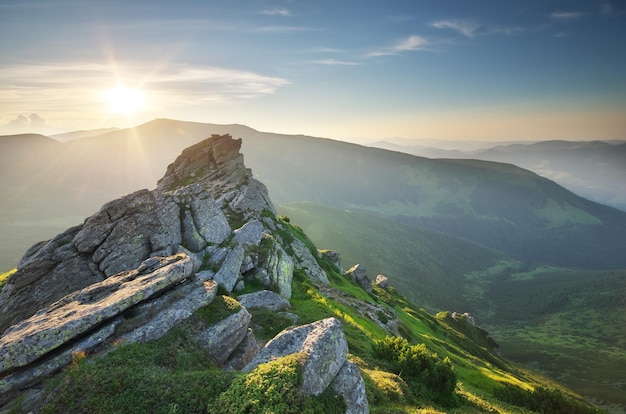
point(566, 15)
point(284, 29)
point(332, 62)
point(277, 12)
point(465, 27)
point(49, 85)
point(409, 44)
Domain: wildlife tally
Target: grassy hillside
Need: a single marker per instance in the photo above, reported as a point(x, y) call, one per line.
point(433, 270)
point(171, 375)
point(567, 323)
point(497, 205)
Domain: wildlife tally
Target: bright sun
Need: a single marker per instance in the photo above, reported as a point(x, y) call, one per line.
point(124, 101)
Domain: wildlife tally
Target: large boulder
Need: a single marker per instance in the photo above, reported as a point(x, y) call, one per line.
point(350, 385)
point(230, 272)
point(358, 274)
point(82, 311)
point(204, 188)
point(324, 344)
point(382, 281)
point(306, 261)
point(223, 338)
point(263, 299)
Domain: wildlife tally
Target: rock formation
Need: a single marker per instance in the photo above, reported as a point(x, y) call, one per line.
point(358, 274)
point(382, 281)
point(149, 260)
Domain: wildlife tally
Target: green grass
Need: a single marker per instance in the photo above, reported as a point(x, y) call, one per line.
point(5, 276)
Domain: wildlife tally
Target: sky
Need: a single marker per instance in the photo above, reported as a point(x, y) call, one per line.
point(358, 70)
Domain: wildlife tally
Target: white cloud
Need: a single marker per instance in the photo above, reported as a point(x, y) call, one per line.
point(566, 15)
point(334, 62)
point(467, 28)
point(277, 12)
point(284, 29)
point(67, 92)
point(411, 43)
point(32, 123)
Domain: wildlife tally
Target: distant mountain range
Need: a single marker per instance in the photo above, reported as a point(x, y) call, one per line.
point(592, 169)
point(497, 205)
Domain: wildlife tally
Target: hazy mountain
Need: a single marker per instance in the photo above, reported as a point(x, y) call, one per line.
point(70, 136)
point(593, 169)
point(497, 205)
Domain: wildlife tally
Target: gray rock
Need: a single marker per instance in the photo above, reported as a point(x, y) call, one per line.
point(168, 232)
point(81, 311)
point(40, 283)
point(229, 273)
point(98, 227)
point(323, 342)
point(382, 281)
point(263, 299)
point(196, 257)
point(250, 233)
point(224, 337)
point(307, 262)
point(333, 257)
point(191, 237)
point(350, 385)
point(210, 221)
point(247, 264)
point(244, 354)
point(169, 312)
point(278, 268)
point(358, 274)
point(51, 365)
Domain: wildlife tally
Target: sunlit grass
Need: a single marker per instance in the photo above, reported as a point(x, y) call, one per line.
point(5, 276)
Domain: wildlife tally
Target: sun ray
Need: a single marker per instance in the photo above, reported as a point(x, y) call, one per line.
point(123, 100)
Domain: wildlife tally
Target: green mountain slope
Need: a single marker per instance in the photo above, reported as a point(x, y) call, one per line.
point(567, 323)
point(432, 269)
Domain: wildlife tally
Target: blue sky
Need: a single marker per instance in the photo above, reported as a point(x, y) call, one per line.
point(355, 70)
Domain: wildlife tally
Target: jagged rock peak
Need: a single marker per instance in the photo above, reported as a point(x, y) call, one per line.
point(217, 156)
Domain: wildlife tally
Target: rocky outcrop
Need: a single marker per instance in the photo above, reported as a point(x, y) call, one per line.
point(263, 299)
point(150, 260)
point(81, 311)
point(350, 385)
point(334, 258)
point(326, 365)
point(358, 274)
point(132, 306)
point(382, 281)
point(307, 262)
point(222, 338)
point(189, 211)
point(323, 342)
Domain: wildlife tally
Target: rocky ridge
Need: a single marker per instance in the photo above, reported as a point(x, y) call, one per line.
point(151, 259)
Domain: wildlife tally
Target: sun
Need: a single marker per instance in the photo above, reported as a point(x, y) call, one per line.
point(124, 101)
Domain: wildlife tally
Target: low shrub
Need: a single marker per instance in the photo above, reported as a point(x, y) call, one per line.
point(273, 388)
point(426, 373)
